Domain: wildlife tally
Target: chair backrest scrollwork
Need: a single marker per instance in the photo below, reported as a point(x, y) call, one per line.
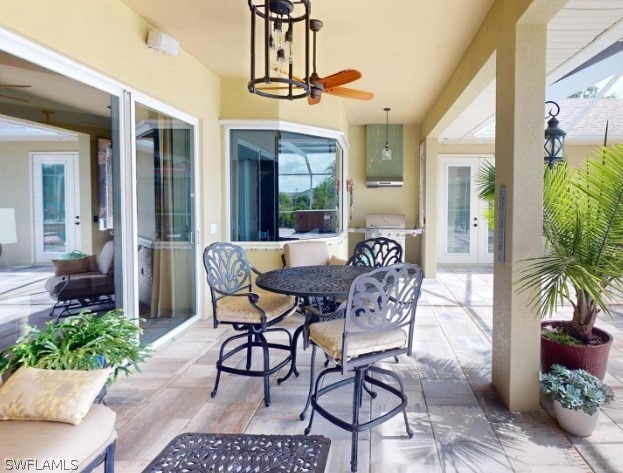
point(227, 267)
point(382, 300)
point(376, 253)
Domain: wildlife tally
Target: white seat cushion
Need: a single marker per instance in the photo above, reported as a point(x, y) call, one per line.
point(306, 253)
point(328, 336)
point(75, 445)
point(240, 310)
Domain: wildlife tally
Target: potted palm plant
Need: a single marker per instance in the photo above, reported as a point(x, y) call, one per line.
point(577, 396)
point(85, 341)
point(583, 261)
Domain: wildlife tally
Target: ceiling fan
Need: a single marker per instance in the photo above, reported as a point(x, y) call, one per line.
point(333, 84)
point(13, 86)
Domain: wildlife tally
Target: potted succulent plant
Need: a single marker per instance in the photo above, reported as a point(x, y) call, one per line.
point(82, 342)
point(577, 396)
point(583, 261)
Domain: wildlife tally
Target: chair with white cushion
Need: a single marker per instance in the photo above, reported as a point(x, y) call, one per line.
point(251, 314)
point(378, 323)
point(306, 253)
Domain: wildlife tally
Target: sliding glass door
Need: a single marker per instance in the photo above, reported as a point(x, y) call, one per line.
point(165, 221)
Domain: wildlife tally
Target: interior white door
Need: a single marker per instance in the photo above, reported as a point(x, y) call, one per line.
point(55, 204)
point(466, 238)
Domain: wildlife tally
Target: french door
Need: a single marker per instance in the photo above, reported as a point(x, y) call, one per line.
point(55, 204)
point(466, 238)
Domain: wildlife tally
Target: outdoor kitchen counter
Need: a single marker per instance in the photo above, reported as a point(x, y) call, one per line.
point(387, 230)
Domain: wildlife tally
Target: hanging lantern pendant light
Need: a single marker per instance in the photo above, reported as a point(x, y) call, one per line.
point(386, 153)
point(554, 138)
point(274, 77)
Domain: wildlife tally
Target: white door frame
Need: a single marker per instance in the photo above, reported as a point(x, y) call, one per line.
point(477, 230)
point(72, 203)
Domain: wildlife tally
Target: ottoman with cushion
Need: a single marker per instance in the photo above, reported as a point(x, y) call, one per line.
point(48, 422)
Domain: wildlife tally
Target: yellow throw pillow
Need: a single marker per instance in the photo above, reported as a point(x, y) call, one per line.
point(53, 395)
point(70, 266)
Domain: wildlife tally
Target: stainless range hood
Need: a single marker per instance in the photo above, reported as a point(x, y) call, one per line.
point(384, 181)
point(381, 172)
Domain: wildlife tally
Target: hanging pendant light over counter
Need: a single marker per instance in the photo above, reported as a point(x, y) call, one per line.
point(386, 153)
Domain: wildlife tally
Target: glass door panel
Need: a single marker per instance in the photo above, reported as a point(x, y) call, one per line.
point(467, 239)
point(56, 221)
point(458, 209)
point(165, 221)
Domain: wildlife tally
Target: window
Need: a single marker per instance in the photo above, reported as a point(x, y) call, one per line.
point(284, 186)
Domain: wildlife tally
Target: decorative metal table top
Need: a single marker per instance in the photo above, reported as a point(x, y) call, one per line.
point(197, 452)
point(311, 281)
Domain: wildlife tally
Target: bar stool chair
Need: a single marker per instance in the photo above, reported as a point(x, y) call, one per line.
point(378, 323)
point(376, 252)
point(252, 314)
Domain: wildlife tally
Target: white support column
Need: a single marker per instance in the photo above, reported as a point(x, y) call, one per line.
point(428, 249)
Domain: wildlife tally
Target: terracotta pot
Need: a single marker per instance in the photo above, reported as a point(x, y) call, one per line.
point(592, 358)
point(575, 422)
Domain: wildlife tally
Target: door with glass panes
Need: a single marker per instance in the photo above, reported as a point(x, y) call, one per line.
point(465, 237)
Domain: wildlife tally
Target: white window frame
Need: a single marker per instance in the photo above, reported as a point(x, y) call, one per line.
point(278, 125)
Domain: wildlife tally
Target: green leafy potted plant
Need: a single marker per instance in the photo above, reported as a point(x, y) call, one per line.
point(583, 260)
point(82, 342)
point(577, 396)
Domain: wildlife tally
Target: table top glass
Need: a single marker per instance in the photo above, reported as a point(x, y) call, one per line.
point(312, 281)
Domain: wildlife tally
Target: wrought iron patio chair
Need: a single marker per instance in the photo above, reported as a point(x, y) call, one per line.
point(253, 315)
point(378, 323)
point(376, 252)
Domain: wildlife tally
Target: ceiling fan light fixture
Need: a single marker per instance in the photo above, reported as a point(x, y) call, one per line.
point(386, 152)
point(272, 43)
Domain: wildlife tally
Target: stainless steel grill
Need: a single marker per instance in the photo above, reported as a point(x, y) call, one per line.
point(388, 226)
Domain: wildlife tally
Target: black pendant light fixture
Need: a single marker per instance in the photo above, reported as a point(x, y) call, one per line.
point(554, 138)
point(386, 152)
point(273, 44)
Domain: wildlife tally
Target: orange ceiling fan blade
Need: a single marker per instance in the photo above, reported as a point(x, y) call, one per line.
point(340, 78)
point(14, 86)
point(350, 93)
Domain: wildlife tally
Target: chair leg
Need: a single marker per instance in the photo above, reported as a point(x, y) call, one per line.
point(249, 351)
point(109, 461)
point(358, 386)
point(295, 338)
point(262, 339)
point(311, 383)
point(221, 358)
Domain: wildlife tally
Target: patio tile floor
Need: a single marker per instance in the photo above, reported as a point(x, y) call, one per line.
point(459, 422)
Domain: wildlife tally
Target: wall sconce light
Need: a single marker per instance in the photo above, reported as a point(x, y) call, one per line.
point(8, 233)
point(386, 152)
point(275, 45)
point(554, 138)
